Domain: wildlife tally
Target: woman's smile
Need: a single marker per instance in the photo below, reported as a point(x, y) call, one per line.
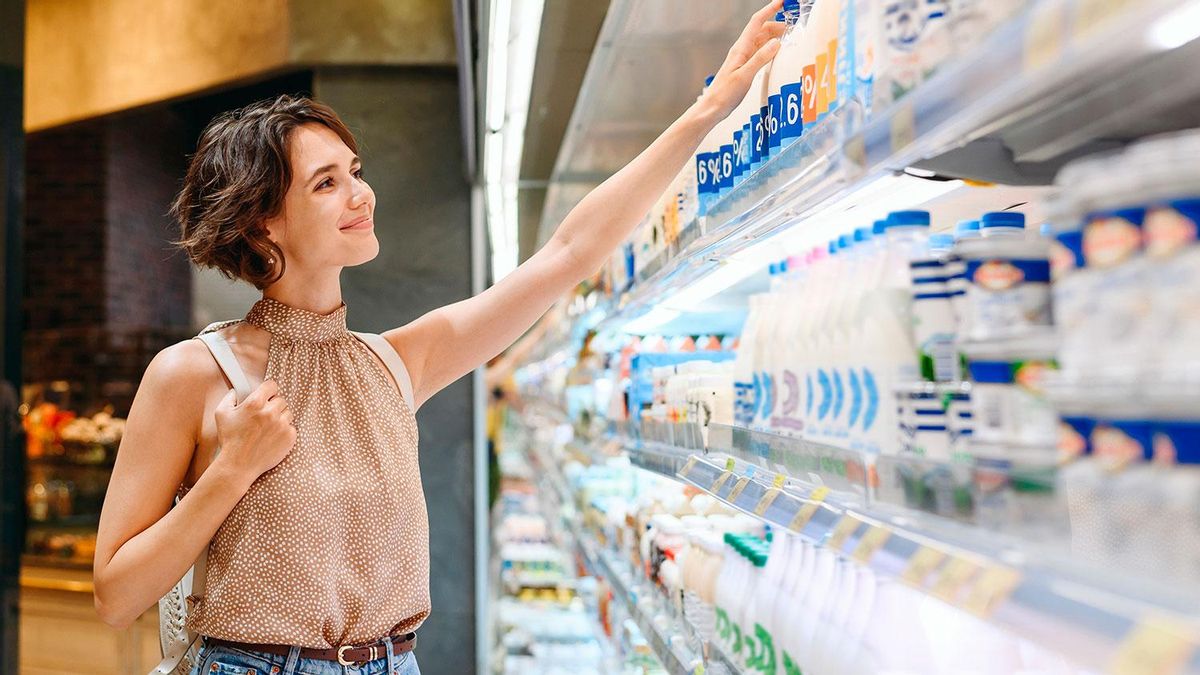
point(360, 223)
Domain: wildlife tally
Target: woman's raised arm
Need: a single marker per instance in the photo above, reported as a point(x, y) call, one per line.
point(451, 341)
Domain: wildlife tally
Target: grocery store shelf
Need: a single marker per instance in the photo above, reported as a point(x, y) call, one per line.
point(1062, 78)
point(1092, 618)
point(624, 586)
point(1095, 616)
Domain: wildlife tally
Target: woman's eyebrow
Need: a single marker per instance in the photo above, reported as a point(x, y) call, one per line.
point(330, 167)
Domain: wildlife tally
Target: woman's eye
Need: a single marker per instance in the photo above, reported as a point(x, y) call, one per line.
point(325, 183)
point(359, 174)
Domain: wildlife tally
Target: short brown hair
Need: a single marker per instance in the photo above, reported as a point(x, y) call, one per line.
point(237, 179)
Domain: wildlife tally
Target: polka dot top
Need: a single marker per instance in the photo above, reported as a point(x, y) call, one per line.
point(330, 547)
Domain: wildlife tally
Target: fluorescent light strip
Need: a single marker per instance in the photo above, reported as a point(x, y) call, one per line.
point(1176, 28)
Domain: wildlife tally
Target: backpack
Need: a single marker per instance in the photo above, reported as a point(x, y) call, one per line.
point(180, 645)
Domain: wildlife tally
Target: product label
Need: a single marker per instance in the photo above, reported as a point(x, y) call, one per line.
point(1071, 443)
point(808, 107)
point(838, 394)
point(823, 74)
point(856, 399)
point(726, 169)
point(739, 148)
point(768, 389)
point(789, 665)
point(793, 123)
point(826, 394)
point(831, 76)
point(764, 114)
point(1115, 448)
point(808, 395)
point(1110, 240)
point(998, 275)
point(1007, 296)
point(872, 400)
point(775, 106)
point(1168, 231)
point(766, 655)
point(757, 137)
point(703, 172)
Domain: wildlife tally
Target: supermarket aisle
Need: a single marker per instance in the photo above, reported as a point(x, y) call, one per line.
point(900, 374)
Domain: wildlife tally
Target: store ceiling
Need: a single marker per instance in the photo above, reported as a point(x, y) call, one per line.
point(592, 110)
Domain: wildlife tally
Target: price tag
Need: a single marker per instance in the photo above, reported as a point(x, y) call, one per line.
point(809, 509)
point(780, 479)
point(729, 464)
point(1044, 36)
point(1156, 645)
point(687, 468)
point(921, 564)
point(904, 126)
point(766, 501)
point(842, 531)
point(738, 488)
point(870, 543)
point(994, 587)
point(720, 482)
point(952, 578)
point(1092, 14)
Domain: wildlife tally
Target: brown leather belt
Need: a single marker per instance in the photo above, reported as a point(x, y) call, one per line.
point(347, 656)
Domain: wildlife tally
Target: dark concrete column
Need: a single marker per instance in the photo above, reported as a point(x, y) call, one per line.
point(12, 454)
point(407, 124)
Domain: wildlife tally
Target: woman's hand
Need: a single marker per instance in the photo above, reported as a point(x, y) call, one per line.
point(754, 49)
point(256, 434)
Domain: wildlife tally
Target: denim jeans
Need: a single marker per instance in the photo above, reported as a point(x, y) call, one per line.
point(221, 660)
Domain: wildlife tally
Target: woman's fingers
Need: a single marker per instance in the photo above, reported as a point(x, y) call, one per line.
point(762, 57)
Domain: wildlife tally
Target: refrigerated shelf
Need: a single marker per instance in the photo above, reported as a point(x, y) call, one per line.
point(622, 585)
point(1086, 616)
point(1060, 78)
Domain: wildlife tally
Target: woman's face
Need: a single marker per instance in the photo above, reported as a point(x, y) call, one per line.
point(328, 212)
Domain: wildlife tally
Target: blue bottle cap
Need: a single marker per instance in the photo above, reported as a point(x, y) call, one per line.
point(908, 219)
point(773, 269)
point(991, 372)
point(833, 246)
point(843, 242)
point(966, 228)
point(791, 5)
point(779, 16)
point(708, 80)
point(861, 234)
point(782, 266)
point(878, 227)
point(941, 240)
point(1003, 219)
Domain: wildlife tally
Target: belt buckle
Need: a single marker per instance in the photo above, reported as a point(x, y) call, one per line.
point(341, 659)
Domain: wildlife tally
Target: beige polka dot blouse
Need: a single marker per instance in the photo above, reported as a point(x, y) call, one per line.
point(330, 547)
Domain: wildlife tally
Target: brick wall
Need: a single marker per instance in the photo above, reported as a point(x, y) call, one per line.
point(104, 291)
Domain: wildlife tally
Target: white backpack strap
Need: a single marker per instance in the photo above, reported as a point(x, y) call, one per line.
point(228, 362)
point(386, 353)
point(175, 651)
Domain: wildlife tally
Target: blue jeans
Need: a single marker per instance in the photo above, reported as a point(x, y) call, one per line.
point(221, 660)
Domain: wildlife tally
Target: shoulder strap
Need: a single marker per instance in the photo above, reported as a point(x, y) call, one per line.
point(228, 362)
point(386, 353)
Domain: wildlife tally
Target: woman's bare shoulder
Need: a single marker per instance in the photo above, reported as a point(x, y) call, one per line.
point(182, 368)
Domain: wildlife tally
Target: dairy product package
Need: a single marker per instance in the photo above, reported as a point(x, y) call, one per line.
point(914, 41)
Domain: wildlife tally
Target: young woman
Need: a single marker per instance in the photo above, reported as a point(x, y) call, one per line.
point(306, 493)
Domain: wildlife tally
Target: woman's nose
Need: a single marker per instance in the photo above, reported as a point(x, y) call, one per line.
point(358, 196)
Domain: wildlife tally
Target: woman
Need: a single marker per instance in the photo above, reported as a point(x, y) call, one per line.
point(312, 512)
